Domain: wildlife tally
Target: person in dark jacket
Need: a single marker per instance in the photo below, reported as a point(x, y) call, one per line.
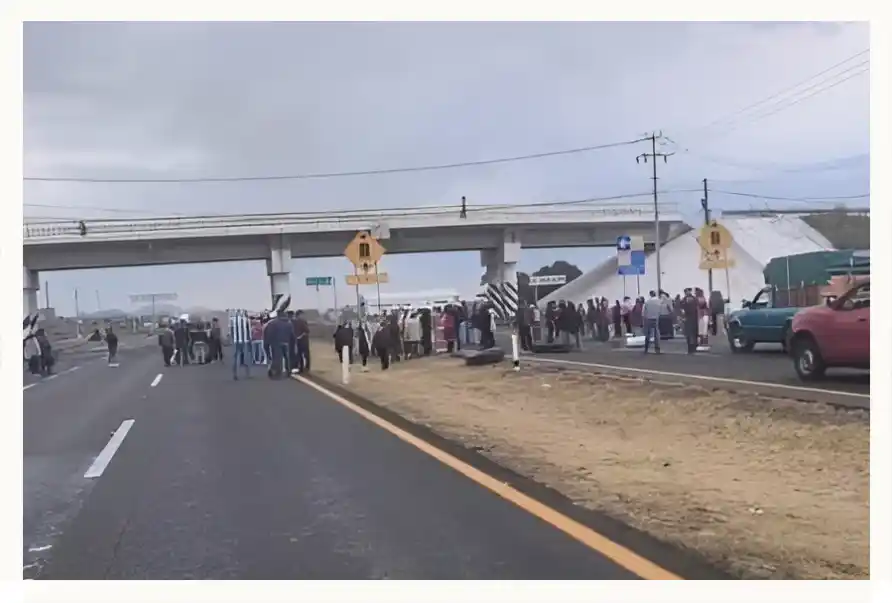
point(716, 311)
point(393, 328)
point(45, 360)
point(182, 342)
point(524, 323)
point(343, 337)
point(301, 342)
point(363, 343)
point(487, 337)
point(427, 331)
point(617, 312)
point(690, 309)
point(279, 337)
point(550, 320)
point(382, 344)
point(215, 341)
point(111, 340)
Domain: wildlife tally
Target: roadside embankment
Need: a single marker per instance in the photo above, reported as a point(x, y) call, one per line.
point(762, 487)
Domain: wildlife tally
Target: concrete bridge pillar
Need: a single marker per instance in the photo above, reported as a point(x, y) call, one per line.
point(500, 277)
point(278, 267)
point(30, 287)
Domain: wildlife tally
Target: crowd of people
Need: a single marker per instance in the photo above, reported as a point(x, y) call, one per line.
point(278, 342)
point(281, 342)
point(658, 317)
point(402, 333)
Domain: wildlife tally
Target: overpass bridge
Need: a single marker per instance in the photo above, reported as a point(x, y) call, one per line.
point(497, 231)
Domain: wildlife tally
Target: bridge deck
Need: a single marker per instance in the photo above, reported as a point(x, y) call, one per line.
point(324, 222)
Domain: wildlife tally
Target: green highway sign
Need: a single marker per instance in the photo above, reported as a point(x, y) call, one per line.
point(318, 281)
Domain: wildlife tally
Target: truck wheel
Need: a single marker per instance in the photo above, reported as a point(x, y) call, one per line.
point(807, 359)
point(739, 344)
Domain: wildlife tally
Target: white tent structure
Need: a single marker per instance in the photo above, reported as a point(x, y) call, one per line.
point(757, 239)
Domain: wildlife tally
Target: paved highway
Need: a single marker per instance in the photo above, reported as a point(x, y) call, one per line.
point(192, 475)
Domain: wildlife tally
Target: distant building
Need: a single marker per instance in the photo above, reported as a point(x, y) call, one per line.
point(757, 239)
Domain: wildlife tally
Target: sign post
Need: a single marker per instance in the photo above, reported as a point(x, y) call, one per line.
point(630, 259)
point(323, 281)
point(364, 252)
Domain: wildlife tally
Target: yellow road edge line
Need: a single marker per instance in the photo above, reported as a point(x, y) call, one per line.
point(629, 560)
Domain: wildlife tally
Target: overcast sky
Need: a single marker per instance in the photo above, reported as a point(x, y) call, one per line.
point(158, 100)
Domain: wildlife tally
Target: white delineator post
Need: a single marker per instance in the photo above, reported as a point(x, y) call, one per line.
point(515, 353)
point(345, 365)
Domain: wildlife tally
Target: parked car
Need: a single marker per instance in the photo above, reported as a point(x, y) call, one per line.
point(759, 321)
point(836, 334)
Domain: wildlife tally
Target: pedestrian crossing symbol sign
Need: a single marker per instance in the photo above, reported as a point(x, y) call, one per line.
point(364, 252)
point(715, 245)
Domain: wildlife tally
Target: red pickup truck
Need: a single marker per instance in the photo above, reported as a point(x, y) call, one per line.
point(833, 335)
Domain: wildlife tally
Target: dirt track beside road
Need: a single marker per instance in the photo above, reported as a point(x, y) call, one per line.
point(764, 488)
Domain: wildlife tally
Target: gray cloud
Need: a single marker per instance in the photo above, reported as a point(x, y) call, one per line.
point(120, 100)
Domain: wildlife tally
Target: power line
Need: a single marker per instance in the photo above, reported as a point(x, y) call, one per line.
point(426, 168)
point(802, 199)
point(783, 107)
point(117, 210)
point(857, 161)
point(785, 90)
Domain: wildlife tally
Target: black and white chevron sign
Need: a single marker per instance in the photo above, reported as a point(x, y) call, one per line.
point(504, 299)
point(281, 301)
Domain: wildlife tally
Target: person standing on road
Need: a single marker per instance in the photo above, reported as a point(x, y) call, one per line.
point(343, 338)
point(651, 312)
point(181, 342)
point(278, 337)
point(301, 342)
point(111, 340)
point(716, 312)
point(215, 341)
point(258, 355)
point(364, 344)
point(166, 342)
point(382, 345)
point(524, 321)
point(691, 312)
point(703, 318)
point(45, 359)
point(666, 322)
point(240, 336)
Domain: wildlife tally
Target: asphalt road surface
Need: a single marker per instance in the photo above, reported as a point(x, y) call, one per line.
point(767, 369)
point(212, 478)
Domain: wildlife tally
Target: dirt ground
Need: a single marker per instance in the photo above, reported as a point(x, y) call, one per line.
point(763, 488)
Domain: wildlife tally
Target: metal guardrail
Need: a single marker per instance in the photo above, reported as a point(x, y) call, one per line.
point(319, 222)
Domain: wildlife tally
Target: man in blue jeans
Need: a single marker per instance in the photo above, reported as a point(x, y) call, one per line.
point(240, 333)
point(651, 315)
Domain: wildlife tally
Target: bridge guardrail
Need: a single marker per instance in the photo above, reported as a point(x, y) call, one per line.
point(318, 222)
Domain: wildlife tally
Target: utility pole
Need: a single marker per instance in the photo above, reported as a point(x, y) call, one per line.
point(46, 293)
point(707, 219)
point(643, 157)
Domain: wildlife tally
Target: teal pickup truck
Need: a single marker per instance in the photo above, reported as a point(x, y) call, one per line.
point(759, 321)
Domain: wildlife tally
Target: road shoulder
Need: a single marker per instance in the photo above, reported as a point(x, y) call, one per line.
point(730, 476)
